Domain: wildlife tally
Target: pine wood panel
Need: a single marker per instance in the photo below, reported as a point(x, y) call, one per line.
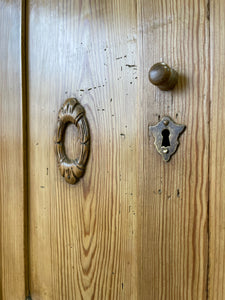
point(82, 237)
point(217, 163)
point(172, 205)
point(12, 205)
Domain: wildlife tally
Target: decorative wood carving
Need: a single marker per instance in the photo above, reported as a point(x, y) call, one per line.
point(72, 112)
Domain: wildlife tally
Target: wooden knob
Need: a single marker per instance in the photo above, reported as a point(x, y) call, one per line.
point(164, 77)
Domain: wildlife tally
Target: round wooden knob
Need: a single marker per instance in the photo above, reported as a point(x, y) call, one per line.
point(164, 77)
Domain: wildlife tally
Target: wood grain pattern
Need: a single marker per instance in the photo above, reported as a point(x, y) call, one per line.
point(85, 241)
point(172, 205)
point(217, 152)
point(12, 205)
point(83, 237)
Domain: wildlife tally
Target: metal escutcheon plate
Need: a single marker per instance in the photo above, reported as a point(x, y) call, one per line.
point(166, 134)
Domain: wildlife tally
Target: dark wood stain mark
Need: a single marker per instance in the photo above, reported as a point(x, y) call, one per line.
point(130, 66)
point(208, 10)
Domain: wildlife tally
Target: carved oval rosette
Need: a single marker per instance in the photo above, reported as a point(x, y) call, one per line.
point(72, 112)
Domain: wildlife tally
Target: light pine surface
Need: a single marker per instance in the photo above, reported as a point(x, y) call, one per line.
point(217, 153)
point(83, 237)
point(134, 227)
point(86, 241)
point(173, 197)
point(12, 208)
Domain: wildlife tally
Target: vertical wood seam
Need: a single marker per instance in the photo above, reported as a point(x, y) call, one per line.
point(24, 60)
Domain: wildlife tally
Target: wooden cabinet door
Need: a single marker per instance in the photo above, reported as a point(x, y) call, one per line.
point(134, 226)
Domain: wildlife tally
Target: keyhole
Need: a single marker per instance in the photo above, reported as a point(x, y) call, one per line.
point(166, 140)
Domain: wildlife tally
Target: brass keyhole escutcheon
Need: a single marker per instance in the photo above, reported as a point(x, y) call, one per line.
point(166, 134)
